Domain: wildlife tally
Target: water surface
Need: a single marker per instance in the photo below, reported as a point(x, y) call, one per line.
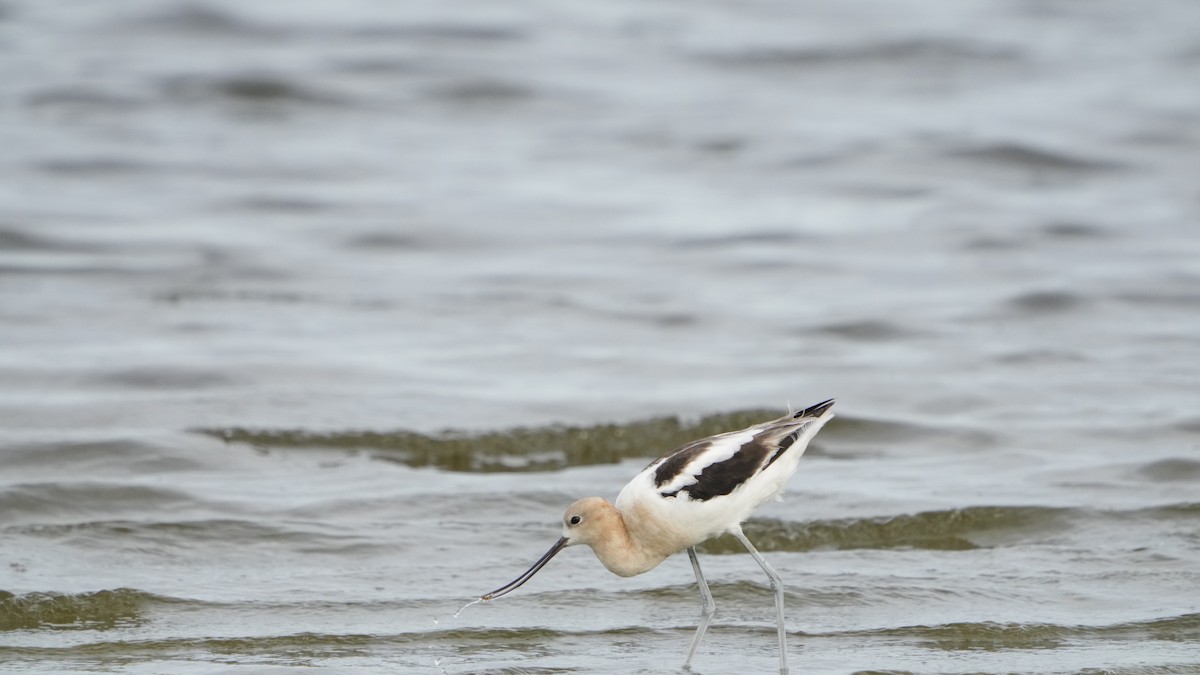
point(313, 319)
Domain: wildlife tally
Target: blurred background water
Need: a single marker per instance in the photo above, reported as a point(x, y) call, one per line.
point(313, 317)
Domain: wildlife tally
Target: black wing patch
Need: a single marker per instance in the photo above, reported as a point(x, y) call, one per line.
point(675, 463)
point(784, 444)
point(721, 478)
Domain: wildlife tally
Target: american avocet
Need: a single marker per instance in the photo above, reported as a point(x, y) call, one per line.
point(690, 495)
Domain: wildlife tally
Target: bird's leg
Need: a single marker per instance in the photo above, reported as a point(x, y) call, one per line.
point(777, 587)
point(706, 613)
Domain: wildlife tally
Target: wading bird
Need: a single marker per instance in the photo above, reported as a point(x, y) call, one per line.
point(690, 495)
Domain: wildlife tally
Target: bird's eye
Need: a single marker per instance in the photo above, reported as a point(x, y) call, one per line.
point(575, 520)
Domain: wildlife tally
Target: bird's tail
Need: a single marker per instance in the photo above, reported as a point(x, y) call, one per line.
point(815, 410)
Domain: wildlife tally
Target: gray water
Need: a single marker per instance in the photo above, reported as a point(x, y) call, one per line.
point(314, 316)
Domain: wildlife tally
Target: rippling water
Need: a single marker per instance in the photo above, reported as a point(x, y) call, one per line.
point(313, 318)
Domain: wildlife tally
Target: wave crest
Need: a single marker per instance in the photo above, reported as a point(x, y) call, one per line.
point(100, 609)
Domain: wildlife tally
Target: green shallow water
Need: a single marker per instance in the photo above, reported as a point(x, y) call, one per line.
point(326, 552)
point(539, 449)
point(330, 558)
point(312, 649)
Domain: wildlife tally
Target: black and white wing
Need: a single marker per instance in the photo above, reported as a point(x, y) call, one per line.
point(718, 465)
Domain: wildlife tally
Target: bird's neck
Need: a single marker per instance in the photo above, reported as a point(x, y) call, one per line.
point(623, 553)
